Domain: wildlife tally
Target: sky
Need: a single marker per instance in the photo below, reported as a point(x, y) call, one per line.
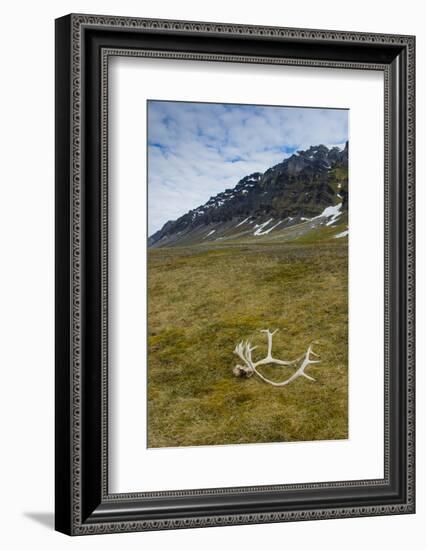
point(196, 150)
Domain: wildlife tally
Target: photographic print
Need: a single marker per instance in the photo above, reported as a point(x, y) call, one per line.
point(247, 261)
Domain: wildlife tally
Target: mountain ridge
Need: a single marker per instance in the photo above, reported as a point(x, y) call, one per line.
point(300, 188)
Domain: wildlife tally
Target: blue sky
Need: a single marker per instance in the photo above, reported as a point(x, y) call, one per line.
point(196, 150)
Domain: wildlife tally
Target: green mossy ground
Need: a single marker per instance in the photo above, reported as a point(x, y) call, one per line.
point(204, 299)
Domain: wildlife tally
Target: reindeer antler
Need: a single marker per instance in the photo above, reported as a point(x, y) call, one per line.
point(244, 351)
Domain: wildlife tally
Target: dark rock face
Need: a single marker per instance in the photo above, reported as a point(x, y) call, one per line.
point(300, 186)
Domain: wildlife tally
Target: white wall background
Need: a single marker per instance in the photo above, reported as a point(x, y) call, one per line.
point(26, 289)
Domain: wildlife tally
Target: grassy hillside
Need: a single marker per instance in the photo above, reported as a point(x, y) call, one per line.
point(203, 299)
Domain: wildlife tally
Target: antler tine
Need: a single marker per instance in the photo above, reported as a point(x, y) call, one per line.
point(249, 349)
point(240, 351)
point(309, 352)
point(238, 348)
point(314, 342)
point(269, 332)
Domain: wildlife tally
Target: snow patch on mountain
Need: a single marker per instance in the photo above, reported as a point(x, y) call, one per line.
point(241, 223)
point(259, 231)
point(270, 229)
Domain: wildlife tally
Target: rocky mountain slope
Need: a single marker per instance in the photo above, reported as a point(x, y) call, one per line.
point(309, 186)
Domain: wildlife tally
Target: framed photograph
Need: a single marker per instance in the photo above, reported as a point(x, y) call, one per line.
point(234, 274)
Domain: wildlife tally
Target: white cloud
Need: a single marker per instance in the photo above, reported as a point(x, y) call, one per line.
point(196, 150)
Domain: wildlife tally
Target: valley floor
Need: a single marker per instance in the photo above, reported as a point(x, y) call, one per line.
point(204, 299)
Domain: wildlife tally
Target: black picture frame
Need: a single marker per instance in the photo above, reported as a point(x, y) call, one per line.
point(83, 45)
